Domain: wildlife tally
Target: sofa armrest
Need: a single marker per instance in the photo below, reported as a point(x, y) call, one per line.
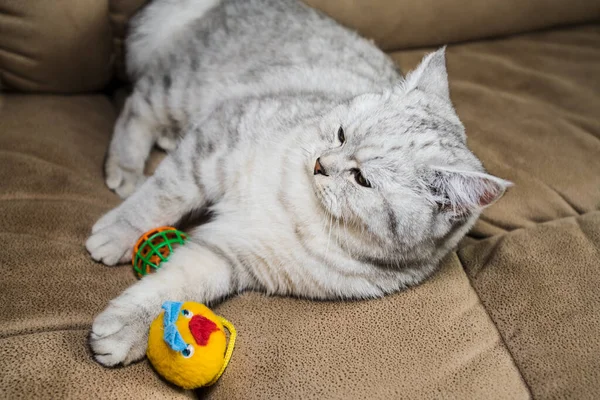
point(59, 46)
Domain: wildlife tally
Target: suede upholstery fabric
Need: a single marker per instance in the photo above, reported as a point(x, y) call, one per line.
point(405, 24)
point(540, 287)
point(513, 314)
point(529, 104)
point(51, 150)
point(75, 46)
point(120, 13)
point(433, 341)
point(530, 107)
point(57, 46)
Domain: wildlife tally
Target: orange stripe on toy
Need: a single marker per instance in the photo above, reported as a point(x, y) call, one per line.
point(155, 247)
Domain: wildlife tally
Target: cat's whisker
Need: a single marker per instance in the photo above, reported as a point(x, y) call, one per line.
point(345, 237)
point(346, 234)
point(329, 235)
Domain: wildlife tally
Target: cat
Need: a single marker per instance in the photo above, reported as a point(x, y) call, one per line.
point(328, 174)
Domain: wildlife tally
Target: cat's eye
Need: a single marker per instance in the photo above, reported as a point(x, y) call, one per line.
point(341, 136)
point(360, 179)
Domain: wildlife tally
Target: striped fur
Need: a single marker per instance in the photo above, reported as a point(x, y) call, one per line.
point(247, 95)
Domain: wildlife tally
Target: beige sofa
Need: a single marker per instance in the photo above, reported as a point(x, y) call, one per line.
point(513, 314)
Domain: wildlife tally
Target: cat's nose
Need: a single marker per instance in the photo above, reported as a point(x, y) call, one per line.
point(319, 168)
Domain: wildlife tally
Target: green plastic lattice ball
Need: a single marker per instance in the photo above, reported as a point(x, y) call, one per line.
point(155, 247)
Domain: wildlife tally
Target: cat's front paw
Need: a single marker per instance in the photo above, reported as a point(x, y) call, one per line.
point(167, 143)
point(123, 181)
point(119, 334)
point(112, 239)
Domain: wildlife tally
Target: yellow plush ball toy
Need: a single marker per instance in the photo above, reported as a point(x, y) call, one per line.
point(188, 346)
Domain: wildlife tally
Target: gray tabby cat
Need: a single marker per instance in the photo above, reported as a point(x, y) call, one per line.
point(329, 175)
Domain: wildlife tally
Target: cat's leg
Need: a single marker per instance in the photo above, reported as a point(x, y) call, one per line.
point(135, 133)
point(162, 200)
point(168, 138)
point(193, 273)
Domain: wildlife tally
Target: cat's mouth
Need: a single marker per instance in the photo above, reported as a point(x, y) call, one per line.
point(324, 197)
point(322, 192)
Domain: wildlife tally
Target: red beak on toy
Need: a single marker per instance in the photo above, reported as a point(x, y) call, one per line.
point(201, 329)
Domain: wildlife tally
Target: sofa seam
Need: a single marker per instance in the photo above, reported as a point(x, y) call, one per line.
point(43, 160)
point(587, 237)
point(20, 77)
point(500, 335)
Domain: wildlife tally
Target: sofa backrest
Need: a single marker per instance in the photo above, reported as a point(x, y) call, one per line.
point(74, 46)
point(402, 24)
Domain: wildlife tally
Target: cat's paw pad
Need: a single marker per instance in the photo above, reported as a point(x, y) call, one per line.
point(123, 181)
point(119, 335)
point(112, 239)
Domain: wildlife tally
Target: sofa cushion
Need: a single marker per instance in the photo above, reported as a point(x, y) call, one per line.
point(530, 105)
point(433, 341)
point(66, 46)
point(52, 191)
point(540, 286)
point(416, 23)
point(56, 364)
point(121, 12)
point(435, 338)
point(405, 24)
point(532, 259)
point(60, 46)
point(530, 108)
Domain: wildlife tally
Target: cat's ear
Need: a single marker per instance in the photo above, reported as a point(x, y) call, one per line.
point(430, 76)
point(461, 193)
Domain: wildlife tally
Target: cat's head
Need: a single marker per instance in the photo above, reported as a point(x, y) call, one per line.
point(395, 167)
